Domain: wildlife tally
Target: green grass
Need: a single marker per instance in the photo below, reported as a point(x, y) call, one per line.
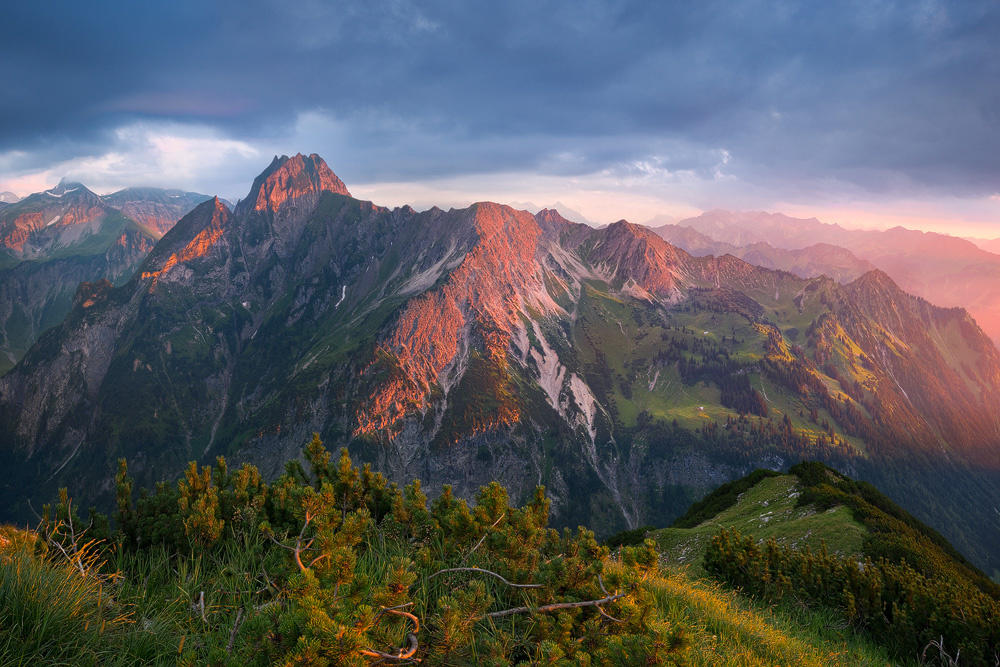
point(50, 614)
point(767, 511)
point(724, 628)
point(154, 597)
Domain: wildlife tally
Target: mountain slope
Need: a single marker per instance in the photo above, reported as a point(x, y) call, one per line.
point(822, 538)
point(49, 243)
point(54, 240)
point(485, 343)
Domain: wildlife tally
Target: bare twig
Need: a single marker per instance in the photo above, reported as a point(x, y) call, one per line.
point(483, 538)
point(552, 607)
point(943, 655)
point(608, 616)
point(31, 507)
point(389, 610)
point(484, 571)
point(269, 603)
point(299, 547)
point(318, 559)
point(600, 582)
point(404, 653)
point(232, 633)
point(268, 579)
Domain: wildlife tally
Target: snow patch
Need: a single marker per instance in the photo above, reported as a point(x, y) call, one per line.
point(343, 295)
point(53, 221)
point(57, 196)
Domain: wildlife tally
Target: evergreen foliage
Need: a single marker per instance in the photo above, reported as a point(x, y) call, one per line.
point(340, 567)
point(896, 604)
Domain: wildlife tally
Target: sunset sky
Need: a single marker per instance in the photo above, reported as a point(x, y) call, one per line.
point(865, 113)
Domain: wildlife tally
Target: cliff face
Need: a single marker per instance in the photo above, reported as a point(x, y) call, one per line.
point(486, 343)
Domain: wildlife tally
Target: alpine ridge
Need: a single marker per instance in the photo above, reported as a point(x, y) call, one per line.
point(463, 346)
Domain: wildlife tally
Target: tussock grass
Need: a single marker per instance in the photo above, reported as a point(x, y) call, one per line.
point(51, 614)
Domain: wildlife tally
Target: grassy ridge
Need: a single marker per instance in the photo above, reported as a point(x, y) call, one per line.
point(819, 537)
point(767, 508)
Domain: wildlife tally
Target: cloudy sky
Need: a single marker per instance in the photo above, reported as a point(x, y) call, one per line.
point(867, 113)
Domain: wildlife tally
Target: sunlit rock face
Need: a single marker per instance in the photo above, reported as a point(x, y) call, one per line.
point(41, 220)
point(290, 179)
point(463, 346)
point(211, 217)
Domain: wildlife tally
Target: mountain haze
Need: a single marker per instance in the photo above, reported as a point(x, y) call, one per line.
point(463, 346)
point(945, 270)
point(809, 262)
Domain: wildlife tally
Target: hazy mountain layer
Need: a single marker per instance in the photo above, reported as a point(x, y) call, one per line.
point(463, 346)
point(820, 259)
point(945, 270)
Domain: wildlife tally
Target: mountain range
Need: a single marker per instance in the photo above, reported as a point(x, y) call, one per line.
point(486, 343)
point(945, 270)
point(52, 241)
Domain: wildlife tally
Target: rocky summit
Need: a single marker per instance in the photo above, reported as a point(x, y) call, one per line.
point(624, 374)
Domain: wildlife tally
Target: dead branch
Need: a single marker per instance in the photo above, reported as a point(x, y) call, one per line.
point(608, 616)
point(232, 633)
point(484, 571)
point(552, 607)
point(943, 655)
point(406, 652)
point(318, 559)
point(600, 582)
point(387, 610)
point(65, 553)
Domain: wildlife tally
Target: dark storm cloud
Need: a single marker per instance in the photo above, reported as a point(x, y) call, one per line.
point(877, 95)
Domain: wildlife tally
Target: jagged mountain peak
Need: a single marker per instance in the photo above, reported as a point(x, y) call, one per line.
point(288, 178)
point(475, 342)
